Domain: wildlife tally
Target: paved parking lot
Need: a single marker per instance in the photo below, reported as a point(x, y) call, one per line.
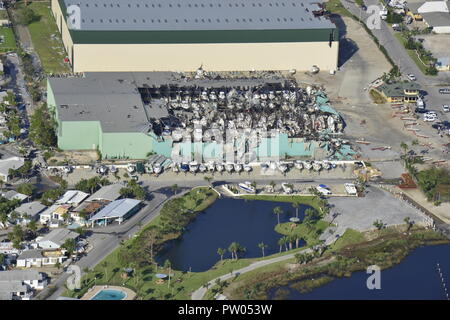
point(360, 213)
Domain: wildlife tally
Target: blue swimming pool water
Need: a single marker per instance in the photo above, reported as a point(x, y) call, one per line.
point(109, 294)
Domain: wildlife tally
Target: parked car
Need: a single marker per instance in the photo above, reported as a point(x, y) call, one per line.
point(411, 77)
point(430, 117)
point(444, 91)
point(420, 110)
point(396, 27)
point(445, 108)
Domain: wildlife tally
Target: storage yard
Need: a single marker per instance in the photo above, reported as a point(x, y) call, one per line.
point(204, 117)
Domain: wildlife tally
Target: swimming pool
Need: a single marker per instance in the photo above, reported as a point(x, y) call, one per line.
point(110, 294)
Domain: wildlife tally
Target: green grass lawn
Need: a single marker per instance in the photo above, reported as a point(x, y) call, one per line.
point(50, 49)
point(110, 270)
point(309, 234)
point(9, 42)
point(411, 53)
point(336, 7)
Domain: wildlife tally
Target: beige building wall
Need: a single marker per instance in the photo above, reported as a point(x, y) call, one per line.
point(188, 57)
point(217, 56)
point(62, 27)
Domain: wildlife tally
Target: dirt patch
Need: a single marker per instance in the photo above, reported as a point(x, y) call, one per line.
point(73, 157)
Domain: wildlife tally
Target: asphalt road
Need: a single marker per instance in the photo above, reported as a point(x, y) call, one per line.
point(431, 84)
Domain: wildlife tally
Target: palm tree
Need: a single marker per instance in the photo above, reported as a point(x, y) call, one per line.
point(273, 185)
point(281, 243)
point(291, 238)
point(208, 179)
point(253, 185)
point(174, 188)
point(262, 246)
point(277, 210)
point(295, 205)
point(408, 223)
point(233, 249)
point(285, 241)
point(32, 226)
point(404, 146)
point(297, 240)
point(105, 265)
point(221, 252)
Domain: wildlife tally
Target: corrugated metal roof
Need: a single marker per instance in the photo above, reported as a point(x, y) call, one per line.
point(116, 209)
point(199, 15)
point(59, 236)
point(72, 197)
point(110, 192)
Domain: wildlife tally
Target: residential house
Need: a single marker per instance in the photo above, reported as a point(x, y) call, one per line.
point(85, 211)
point(14, 195)
point(34, 279)
point(39, 258)
point(10, 163)
point(15, 290)
point(31, 210)
point(110, 192)
point(56, 238)
point(400, 92)
point(7, 248)
point(435, 14)
point(54, 214)
point(72, 197)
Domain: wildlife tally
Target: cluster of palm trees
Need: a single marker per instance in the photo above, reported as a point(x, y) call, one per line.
point(288, 241)
point(234, 248)
point(307, 257)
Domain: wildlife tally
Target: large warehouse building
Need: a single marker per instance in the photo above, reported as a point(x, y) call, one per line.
point(133, 114)
point(182, 35)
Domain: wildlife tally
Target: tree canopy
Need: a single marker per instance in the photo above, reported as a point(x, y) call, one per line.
point(42, 128)
point(28, 16)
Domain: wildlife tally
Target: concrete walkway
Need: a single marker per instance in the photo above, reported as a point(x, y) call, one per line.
point(200, 292)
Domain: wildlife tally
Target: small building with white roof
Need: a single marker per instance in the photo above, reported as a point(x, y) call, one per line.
point(31, 210)
point(56, 238)
point(73, 197)
point(110, 192)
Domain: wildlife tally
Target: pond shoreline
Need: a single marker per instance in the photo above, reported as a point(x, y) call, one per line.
point(387, 250)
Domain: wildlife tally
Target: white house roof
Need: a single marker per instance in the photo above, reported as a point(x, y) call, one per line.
point(31, 208)
point(8, 287)
point(59, 236)
point(116, 209)
point(49, 211)
point(12, 195)
point(110, 192)
point(433, 6)
point(10, 163)
point(20, 275)
point(30, 254)
point(72, 197)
